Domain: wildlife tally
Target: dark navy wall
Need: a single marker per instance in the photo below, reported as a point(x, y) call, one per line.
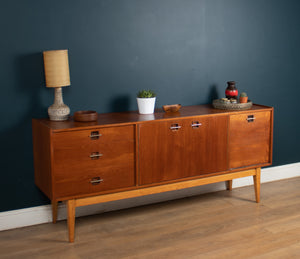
point(185, 50)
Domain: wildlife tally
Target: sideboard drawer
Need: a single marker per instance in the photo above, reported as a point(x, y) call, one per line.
point(90, 138)
point(75, 153)
point(69, 163)
point(89, 183)
point(84, 155)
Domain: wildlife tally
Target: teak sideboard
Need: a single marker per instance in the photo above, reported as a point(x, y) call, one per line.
point(125, 155)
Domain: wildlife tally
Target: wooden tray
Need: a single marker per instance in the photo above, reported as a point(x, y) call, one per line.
point(218, 104)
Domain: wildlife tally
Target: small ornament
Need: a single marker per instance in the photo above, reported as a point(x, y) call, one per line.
point(231, 91)
point(225, 100)
point(243, 98)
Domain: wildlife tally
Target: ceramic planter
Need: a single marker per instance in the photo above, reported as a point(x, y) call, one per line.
point(146, 105)
point(244, 99)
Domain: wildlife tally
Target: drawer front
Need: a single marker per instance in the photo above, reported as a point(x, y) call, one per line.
point(250, 139)
point(83, 139)
point(104, 158)
point(89, 183)
point(76, 153)
point(107, 154)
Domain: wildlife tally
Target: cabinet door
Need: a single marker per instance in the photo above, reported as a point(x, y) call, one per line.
point(207, 145)
point(250, 139)
point(161, 151)
point(176, 149)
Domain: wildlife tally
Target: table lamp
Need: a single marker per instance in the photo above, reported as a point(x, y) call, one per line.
point(56, 64)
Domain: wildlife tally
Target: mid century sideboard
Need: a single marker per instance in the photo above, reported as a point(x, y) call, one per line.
point(125, 155)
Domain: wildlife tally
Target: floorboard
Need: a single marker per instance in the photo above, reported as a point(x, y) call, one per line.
point(225, 224)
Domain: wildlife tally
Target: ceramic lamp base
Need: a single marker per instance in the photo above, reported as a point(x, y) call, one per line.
point(58, 111)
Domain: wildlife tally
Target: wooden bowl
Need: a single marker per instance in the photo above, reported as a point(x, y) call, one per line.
point(172, 107)
point(85, 116)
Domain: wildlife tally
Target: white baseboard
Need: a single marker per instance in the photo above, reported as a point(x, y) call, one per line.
point(43, 214)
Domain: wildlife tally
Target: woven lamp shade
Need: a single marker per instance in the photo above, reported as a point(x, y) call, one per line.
point(56, 64)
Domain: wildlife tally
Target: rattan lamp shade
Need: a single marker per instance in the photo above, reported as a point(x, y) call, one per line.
point(56, 64)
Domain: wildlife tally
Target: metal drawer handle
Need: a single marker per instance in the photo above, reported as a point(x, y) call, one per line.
point(96, 180)
point(196, 124)
point(250, 118)
point(95, 155)
point(95, 135)
point(175, 127)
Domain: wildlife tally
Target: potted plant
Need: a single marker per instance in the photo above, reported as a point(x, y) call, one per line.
point(146, 101)
point(243, 98)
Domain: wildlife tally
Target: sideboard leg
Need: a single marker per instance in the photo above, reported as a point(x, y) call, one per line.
point(256, 179)
point(71, 219)
point(229, 185)
point(54, 211)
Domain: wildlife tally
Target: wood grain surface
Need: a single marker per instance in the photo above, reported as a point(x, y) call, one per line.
point(215, 225)
point(167, 154)
point(123, 118)
point(250, 139)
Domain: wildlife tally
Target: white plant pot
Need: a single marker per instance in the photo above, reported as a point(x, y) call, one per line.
point(146, 105)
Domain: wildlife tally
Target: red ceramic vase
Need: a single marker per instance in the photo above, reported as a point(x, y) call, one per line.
point(231, 91)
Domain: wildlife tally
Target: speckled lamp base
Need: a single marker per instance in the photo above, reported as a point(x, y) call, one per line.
point(58, 111)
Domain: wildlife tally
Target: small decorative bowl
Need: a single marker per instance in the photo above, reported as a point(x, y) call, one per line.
point(85, 116)
point(172, 107)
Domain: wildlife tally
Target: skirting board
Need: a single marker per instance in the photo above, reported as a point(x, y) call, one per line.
point(43, 214)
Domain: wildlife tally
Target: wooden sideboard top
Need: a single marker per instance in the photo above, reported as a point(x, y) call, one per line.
point(123, 118)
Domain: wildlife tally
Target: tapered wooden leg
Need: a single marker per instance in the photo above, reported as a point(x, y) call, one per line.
point(229, 185)
point(71, 219)
point(256, 179)
point(54, 211)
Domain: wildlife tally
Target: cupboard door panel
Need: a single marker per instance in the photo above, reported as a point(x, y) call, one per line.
point(249, 139)
point(207, 145)
point(182, 148)
point(161, 151)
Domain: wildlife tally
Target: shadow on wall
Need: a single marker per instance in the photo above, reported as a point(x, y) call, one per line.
point(17, 177)
point(213, 94)
point(120, 103)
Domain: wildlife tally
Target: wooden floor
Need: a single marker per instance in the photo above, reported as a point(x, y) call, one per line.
point(217, 225)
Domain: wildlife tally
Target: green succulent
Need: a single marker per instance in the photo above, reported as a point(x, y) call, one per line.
point(243, 94)
point(146, 94)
